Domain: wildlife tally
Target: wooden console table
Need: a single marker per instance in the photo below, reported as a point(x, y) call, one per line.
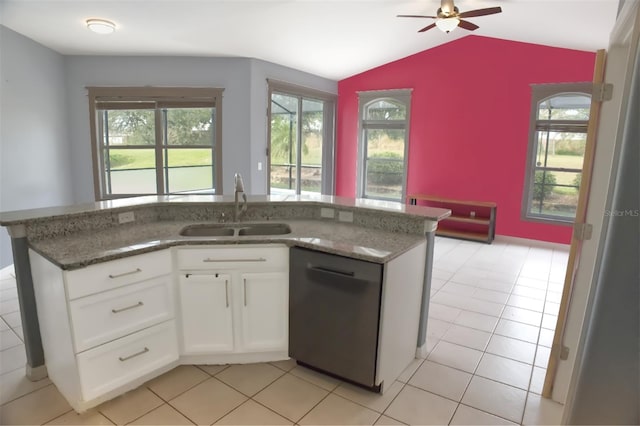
point(469, 220)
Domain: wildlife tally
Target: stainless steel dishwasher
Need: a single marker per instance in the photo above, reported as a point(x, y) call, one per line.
point(334, 314)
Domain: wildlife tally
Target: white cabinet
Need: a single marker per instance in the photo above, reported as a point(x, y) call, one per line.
point(234, 300)
point(106, 328)
point(207, 324)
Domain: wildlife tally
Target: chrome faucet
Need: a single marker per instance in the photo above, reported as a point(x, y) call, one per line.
point(239, 187)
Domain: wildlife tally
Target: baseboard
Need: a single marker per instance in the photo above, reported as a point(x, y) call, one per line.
point(531, 243)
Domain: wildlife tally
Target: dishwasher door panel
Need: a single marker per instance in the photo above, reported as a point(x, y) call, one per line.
point(334, 313)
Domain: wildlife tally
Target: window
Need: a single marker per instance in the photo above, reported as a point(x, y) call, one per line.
point(383, 145)
point(155, 140)
point(557, 140)
point(300, 140)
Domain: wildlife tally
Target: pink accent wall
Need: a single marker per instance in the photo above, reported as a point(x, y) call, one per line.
point(469, 124)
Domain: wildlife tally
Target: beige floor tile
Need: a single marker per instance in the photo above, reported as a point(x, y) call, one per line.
point(9, 306)
point(512, 348)
point(525, 291)
point(13, 319)
point(524, 316)
point(491, 295)
point(9, 339)
point(252, 413)
point(163, 415)
point(441, 380)
point(417, 407)
point(526, 303)
point(495, 398)
point(91, 417)
point(335, 410)
point(19, 332)
point(537, 380)
point(542, 356)
point(208, 402)
point(212, 370)
point(319, 379)
point(374, 401)
point(177, 381)
point(3, 325)
point(549, 321)
point(250, 378)
point(442, 312)
point(546, 337)
point(471, 416)
point(35, 408)
point(12, 359)
point(411, 369)
point(469, 337)
point(517, 330)
point(542, 411)
point(8, 294)
point(291, 397)
point(285, 365)
point(388, 421)
point(14, 384)
point(456, 356)
point(437, 328)
point(130, 406)
point(505, 370)
point(477, 321)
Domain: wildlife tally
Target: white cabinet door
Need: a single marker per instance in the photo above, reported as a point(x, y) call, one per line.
point(265, 311)
point(207, 325)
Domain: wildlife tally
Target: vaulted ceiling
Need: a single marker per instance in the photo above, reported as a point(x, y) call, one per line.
point(329, 38)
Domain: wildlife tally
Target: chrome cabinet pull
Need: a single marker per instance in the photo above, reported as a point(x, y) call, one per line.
point(144, 351)
point(137, 305)
point(226, 291)
point(125, 273)
point(258, 259)
point(245, 291)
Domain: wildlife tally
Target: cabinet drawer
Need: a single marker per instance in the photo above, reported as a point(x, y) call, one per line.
point(106, 316)
point(117, 363)
point(244, 257)
point(110, 275)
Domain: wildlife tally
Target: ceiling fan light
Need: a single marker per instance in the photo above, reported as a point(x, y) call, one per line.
point(447, 24)
point(101, 26)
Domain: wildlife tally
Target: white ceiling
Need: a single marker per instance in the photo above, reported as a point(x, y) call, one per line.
point(330, 38)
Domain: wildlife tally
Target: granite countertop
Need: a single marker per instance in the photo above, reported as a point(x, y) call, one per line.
point(82, 249)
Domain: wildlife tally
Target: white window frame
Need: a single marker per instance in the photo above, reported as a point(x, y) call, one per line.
point(539, 94)
point(328, 131)
point(184, 97)
point(402, 96)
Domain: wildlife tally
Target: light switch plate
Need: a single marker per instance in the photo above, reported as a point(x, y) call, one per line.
point(345, 216)
point(126, 217)
point(327, 213)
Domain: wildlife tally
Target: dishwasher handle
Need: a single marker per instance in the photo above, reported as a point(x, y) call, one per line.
point(331, 271)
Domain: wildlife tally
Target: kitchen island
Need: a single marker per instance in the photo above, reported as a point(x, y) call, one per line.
point(78, 238)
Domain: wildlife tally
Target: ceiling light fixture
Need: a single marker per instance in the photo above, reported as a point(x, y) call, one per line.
point(101, 26)
point(448, 24)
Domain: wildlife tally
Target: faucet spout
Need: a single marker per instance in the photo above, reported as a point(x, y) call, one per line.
point(239, 188)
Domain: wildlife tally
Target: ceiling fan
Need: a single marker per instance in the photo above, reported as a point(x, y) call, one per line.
point(449, 17)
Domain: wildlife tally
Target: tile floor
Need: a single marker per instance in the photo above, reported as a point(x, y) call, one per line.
point(491, 318)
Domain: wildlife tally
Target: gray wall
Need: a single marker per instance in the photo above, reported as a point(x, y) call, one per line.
point(243, 107)
point(34, 151)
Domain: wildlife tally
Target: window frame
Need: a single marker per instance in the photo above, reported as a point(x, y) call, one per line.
point(365, 99)
point(539, 94)
point(328, 132)
point(152, 98)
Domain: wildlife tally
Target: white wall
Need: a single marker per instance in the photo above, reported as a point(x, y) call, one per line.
point(243, 106)
point(34, 150)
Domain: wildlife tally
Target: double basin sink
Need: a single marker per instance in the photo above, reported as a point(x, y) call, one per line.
point(235, 230)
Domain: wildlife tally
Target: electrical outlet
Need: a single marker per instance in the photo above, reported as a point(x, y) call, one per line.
point(345, 216)
point(126, 217)
point(327, 213)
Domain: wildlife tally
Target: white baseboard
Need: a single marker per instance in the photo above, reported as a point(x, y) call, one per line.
point(531, 243)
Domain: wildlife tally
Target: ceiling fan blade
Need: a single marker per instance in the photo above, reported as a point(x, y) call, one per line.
point(480, 12)
point(468, 25)
point(428, 27)
point(416, 16)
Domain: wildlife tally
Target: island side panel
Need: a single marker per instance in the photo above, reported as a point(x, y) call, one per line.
point(430, 235)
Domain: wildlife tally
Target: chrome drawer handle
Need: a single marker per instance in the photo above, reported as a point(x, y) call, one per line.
point(137, 305)
point(259, 259)
point(144, 351)
point(125, 273)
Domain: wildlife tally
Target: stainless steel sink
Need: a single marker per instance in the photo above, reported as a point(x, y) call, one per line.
point(224, 230)
point(208, 230)
point(265, 229)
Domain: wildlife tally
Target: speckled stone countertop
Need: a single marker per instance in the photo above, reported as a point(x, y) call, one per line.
point(76, 236)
